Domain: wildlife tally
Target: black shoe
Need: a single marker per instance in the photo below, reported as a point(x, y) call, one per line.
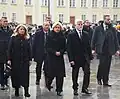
point(107, 85)
point(37, 82)
point(2, 87)
point(86, 91)
point(17, 92)
point(76, 92)
point(49, 87)
point(59, 93)
point(99, 82)
point(27, 95)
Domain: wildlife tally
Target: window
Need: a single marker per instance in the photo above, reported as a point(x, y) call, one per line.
point(3, 1)
point(83, 3)
point(4, 14)
point(94, 3)
point(13, 17)
point(94, 17)
point(115, 18)
point(83, 17)
point(28, 2)
point(61, 16)
point(105, 3)
point(44, 2)
point(61, 3)
point(44, 17)
point(72, 3)
point(115, 3)
point(13, 1)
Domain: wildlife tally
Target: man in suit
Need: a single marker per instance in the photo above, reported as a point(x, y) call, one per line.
point(105, 43)
point(88, 29)
point(5, 33)
point(39, 50)
point(79, 53)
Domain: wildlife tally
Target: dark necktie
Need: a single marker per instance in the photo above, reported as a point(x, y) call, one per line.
point(45, 38)
point(80, 34)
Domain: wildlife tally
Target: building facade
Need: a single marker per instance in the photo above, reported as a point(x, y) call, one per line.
point(36, 11)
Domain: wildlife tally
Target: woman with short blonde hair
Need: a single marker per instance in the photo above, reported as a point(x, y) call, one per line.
point(55, 48)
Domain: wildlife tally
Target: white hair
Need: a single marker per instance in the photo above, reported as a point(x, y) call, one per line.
point(57, 23)
point(27, 36)
point(78, 20)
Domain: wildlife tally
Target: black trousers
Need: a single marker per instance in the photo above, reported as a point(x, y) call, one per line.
point(104, 68)
point(86, 79)
point(2, 74)
point(59, 83)
point(39, 67)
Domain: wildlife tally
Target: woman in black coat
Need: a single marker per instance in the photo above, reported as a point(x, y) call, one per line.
point(19, 55)
point(55, 48)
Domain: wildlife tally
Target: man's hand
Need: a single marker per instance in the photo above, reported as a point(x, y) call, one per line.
point(57, 53)
point(72, 63)
point(9, 62)
point(93, 51)
point(117, 53)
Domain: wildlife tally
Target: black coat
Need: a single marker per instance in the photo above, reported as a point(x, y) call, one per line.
point(55, 67)
point(19, 52)
point(4, 39)
point(38, 46)
point(118, 36)
point(99, 36)
point(79, 50)
point(89, 31)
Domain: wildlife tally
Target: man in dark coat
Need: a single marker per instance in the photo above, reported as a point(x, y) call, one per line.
point(88, 29)
point(39, 51)
point(5, 33)
point(105, 43)
point(79, 53)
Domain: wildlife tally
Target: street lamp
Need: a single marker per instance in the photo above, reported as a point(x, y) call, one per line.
point(48, 7)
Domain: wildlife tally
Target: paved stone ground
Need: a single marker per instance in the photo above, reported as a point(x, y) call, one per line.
point(99, 92)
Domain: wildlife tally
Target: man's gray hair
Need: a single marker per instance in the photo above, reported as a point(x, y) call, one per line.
point(78, 20)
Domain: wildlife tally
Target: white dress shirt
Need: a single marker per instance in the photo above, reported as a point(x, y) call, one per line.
point(78, 31)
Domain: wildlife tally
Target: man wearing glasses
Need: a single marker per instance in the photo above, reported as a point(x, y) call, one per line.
point(79, 53)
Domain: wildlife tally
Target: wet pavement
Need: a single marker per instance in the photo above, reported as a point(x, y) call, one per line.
point(98, 92)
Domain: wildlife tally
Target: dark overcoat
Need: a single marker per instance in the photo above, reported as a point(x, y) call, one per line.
point(99, 36)
point(38, 46)
point(78, 49)
point(19, 52)
point(55, 43)
point(89, 30)
point(4, 39)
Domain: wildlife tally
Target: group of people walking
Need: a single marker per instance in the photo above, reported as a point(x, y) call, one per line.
point(48, 49)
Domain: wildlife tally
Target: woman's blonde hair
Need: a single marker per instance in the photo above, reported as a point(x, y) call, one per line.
point(27, 36)
point(57, 23)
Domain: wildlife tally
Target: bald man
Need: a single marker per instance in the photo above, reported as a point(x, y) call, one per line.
point(39, 50)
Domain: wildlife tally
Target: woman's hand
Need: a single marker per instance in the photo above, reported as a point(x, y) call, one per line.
point(57, 53)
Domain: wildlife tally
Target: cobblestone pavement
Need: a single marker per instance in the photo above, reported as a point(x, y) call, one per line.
point(98, 92)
